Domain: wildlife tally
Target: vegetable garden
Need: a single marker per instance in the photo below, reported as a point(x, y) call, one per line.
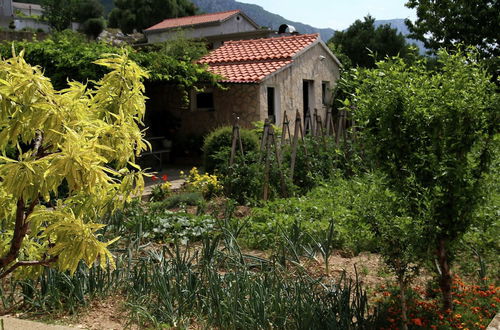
point(251, 243)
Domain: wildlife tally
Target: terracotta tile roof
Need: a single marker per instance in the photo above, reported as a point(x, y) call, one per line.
point(193, 20)
point(253, 60)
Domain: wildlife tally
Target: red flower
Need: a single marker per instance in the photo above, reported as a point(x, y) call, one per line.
point(164, 177)
point(417, 321)
point(154, 178)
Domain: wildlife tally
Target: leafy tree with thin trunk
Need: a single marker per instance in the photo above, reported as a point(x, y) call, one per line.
point(444, 24)
point(130, 15)
point(363, 44)
point(83, 141)
point(431, 133)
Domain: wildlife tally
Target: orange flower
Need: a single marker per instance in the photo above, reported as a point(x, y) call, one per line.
point(458, 316)
point(417, 321)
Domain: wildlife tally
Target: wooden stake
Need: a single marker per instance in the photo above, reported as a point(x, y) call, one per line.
point(285, 129)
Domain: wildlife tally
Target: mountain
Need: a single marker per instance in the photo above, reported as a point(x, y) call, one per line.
point(400, 26)
point(264, 18)
point(259, 15)
point(108, 5)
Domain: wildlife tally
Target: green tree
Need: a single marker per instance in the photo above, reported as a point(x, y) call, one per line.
point(364, 44)
point(59, 13)
point(447, 23)
point(65, 138)
point(431, 133)
point(141, 14)
point(87, 9)
point(69, 56)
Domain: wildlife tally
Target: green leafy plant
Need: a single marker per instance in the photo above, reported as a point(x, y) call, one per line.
point(431, 133)
point(161, 190)
point(220, 140)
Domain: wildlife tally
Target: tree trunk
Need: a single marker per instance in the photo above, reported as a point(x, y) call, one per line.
point(20, 229)
point(404, 312)
point(445, 280)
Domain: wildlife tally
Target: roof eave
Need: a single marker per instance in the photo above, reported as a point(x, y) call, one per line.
point(188, 26)
point(252, 22)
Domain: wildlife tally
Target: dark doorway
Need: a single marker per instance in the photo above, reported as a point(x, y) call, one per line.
point(271, 106)
point(305, 97)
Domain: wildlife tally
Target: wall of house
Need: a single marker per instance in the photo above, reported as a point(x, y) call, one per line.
point(28, 9)
point(6, 8)
point(234, 24)
point(315, 65)
point(165, 105)
point(30, 23)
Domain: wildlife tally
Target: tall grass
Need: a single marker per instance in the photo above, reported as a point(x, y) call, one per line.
point(212, 287)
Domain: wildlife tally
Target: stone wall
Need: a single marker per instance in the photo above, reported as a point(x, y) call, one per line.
point(20, 35)
point(246, 101)
point(315, 65)
point(166, 105)
point(234, 24)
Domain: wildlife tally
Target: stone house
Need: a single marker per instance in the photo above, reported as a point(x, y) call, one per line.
point(22, 15)
point(263, 78)
point(214, 28)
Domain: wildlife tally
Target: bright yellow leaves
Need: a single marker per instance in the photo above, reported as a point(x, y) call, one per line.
point(88, 141)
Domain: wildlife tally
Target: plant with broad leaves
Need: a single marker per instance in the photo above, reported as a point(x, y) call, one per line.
point(84, 139)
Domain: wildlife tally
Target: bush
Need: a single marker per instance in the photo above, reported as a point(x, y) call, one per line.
point(475, 306)
point(188, 198)
point(220, 140)
point(93, 27)
point(341, 201)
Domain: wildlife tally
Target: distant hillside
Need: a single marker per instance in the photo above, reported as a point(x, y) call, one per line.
point(108, 5)
point(400, 26)
point(259, 15)
point(265, 18)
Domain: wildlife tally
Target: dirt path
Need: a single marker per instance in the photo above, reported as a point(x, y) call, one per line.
point(12, 323)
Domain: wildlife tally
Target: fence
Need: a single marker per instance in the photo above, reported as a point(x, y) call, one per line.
point(312, 126)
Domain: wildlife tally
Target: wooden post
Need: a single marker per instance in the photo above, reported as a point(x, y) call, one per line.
point(297, 130)
point(233, 144)
point(307, 123)
point(344, 125)
point(339, 127)
point(265, 193)
point(236, 138)
point(319, 126)
point(272, 138)
point(285, 129)
point(329, 126)
point(263, 141)
point(315, 123)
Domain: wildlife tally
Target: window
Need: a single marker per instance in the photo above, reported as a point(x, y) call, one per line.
point(271, 105)
point(205, 101)
point(325, 91)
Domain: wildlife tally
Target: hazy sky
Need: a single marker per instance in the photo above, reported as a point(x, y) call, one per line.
point(335, 14)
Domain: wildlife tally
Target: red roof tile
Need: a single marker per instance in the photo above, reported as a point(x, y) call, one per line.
point(193, 20)
point(253, 60)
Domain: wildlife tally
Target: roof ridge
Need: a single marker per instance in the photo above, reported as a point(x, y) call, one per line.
point(206, 14)
point(233, 12)
point(263, 60)
point(271, 38)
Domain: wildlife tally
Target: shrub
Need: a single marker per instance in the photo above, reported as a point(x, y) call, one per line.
point(341, 201)
point(188, 198)
point(93, 27)
point(219, 140)
point(206, 184)
point(474, 307)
